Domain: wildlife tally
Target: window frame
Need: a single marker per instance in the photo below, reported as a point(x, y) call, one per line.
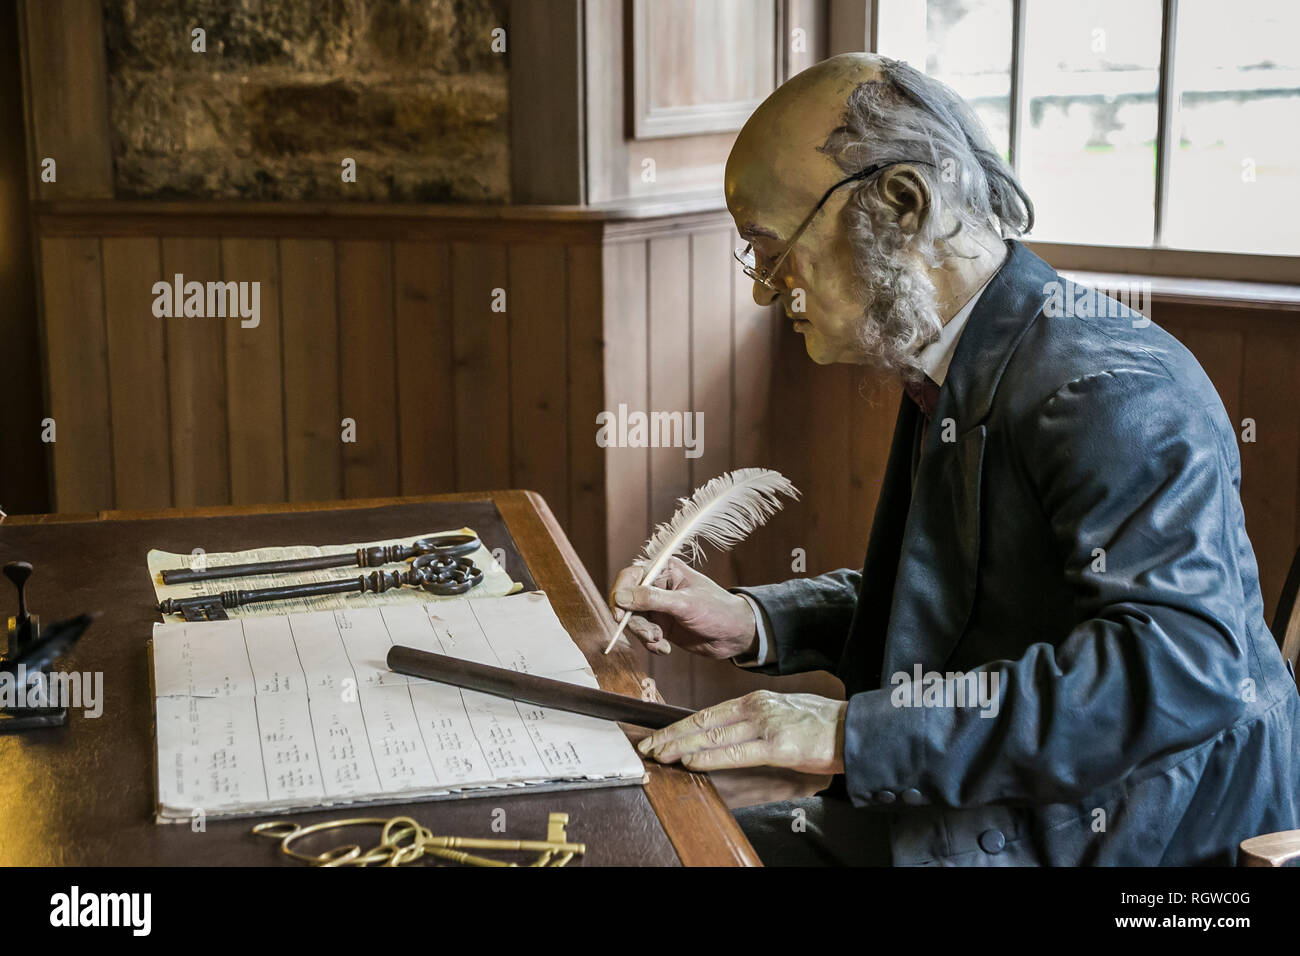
point(862, 17)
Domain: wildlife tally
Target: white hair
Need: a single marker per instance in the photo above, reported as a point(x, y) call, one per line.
point(908, 117)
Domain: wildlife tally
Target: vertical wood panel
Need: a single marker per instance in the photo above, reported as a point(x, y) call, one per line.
point(1220, 352)
point(309, 315)
point(757, 437)
point(482, 366)
point(1270, 476)
point(586, 400)
point(711, 387)
point(368, 372)
point(24, 481)
point(669, 338)
point(254, 379)
point(77, 362)
point(142, 473)
point(873, 411)
point(423, 283)
point(67, 90)
point(196, 351)
point(546, 155)
point(627, 475)
point(539, 374)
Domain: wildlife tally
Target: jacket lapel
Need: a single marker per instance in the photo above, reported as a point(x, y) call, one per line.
point(939, 561)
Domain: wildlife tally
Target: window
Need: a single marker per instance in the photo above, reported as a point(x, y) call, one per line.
point(1169, 123)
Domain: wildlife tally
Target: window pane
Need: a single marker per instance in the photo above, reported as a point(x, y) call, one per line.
point(964, 43)
point(1234, 179)
point(1091, 78)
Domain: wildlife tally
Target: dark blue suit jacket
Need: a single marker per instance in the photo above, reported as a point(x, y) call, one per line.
point(1076, 532)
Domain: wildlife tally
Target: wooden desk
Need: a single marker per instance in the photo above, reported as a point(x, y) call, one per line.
point(84, 794)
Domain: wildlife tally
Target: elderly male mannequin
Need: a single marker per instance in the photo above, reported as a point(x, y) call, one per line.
point(1055, 652)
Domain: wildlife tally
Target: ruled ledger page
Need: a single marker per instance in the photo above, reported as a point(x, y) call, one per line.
point(297, 711)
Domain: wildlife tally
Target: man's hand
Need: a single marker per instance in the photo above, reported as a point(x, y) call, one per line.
point(685, 608)
point(803, 732)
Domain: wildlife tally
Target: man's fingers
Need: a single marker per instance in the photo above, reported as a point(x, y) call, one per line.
point(754, 753)
point(660, 647)
point(647, 632)
point(649, 599)
point(723, 735)
point(728, 712)
point(627, 578)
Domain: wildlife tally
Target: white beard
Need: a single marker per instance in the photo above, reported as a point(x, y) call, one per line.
point(901, 316)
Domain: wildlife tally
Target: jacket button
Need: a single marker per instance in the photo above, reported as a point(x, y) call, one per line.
point(886, 796)
point(913, 797)
point(992, 841)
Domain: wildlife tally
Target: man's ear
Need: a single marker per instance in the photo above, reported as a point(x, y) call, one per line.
point(907, 195)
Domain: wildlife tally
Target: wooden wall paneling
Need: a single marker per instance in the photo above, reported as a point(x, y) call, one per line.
point(254, 376)
point(539, 373)
point(137, 357)
point(626, 373)
point(848, 26)
point(711, 371)
point(872, 413)
point(310, 326)
point(700, 68)
point(814, 427)
point(669, 337)
point(423, 290)
point(367, 367)
point(1218, 345)
point(196, 379)
point(586, 399)
point(546, 138)
point(614, 162)
point(77, 369)
point(67, 92)
point(806, 29)
point(1221, 353)
point(24, 482)
point(757, 406)
point(481, 340)
point(1270, 465)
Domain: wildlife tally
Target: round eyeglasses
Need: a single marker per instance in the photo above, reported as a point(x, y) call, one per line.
point(764, 277)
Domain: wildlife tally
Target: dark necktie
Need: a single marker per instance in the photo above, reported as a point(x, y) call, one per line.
point(925, 393)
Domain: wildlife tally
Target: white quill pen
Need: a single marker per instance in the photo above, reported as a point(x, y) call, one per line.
point(722, 512)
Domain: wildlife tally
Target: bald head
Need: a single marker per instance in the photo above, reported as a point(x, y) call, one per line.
point(915, 227)
point(774, 168)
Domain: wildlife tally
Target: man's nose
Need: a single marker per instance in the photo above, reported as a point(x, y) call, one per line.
point(764, 295)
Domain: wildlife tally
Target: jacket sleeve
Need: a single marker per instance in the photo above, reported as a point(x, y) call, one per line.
point(808, 619)
point(1128, 463)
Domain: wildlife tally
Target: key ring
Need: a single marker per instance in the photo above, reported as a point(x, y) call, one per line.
point(394, 850)
point(288, 832)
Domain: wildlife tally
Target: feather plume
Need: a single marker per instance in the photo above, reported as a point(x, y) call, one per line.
point(721, 512)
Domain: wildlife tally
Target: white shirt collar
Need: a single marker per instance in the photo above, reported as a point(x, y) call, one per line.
point(937, 356)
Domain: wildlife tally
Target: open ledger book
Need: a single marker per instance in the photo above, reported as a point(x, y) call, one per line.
point(298, 711)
